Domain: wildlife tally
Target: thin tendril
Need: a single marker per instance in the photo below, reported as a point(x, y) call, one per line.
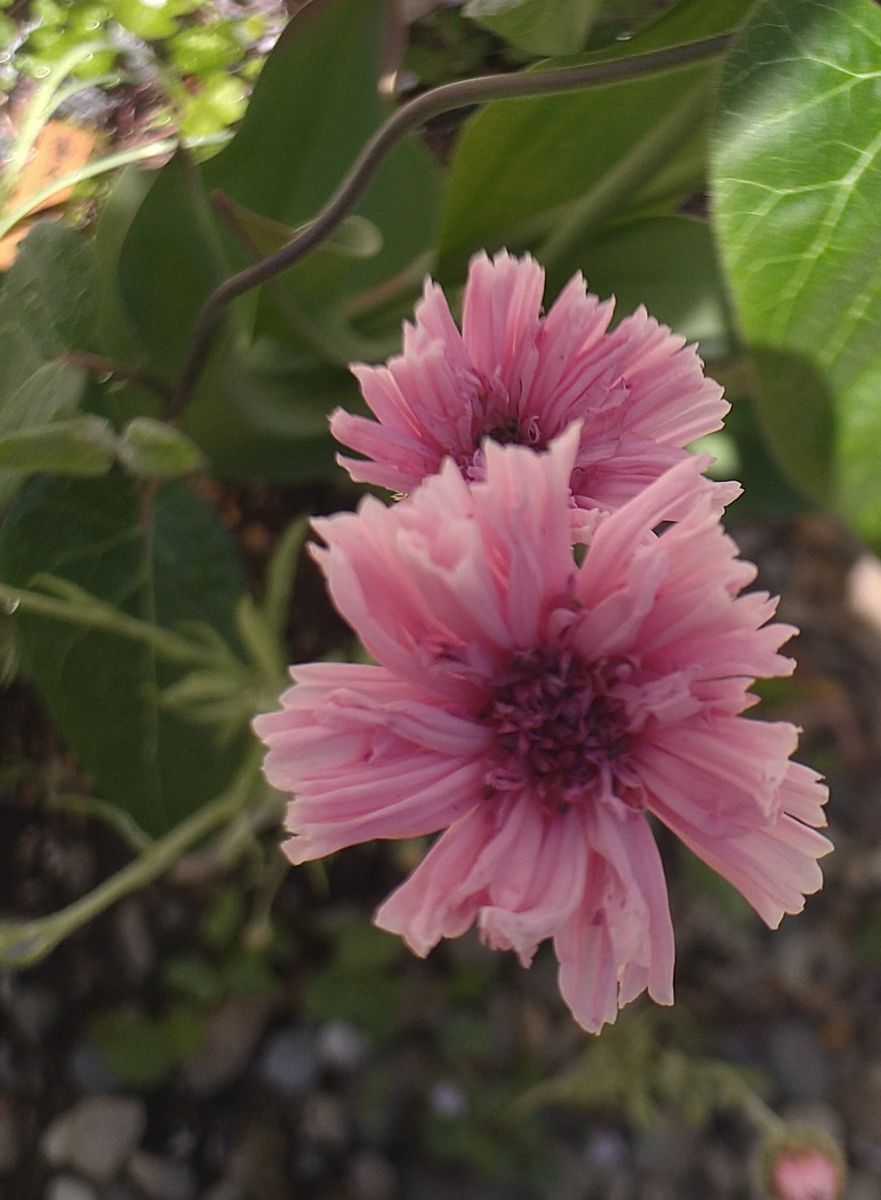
point(407, 118)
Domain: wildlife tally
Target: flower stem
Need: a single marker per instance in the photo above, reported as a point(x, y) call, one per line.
point(27, 942)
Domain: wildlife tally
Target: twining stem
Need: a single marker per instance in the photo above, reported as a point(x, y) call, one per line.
point(23, 943)
point(411, 116)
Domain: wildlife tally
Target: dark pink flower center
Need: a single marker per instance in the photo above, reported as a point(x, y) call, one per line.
point(560, 726)
point(505, 429)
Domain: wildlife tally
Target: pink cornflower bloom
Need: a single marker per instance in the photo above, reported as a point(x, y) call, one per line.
point(516, 376)
point(539, 711)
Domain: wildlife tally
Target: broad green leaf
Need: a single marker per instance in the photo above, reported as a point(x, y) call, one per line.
point(670, 265)
point(268, 416)
point(47, 304)
point(172, 257)
point(538, 26)
point(797, 178)
point(522, 167)
point(355, 237)
point(81, 446)
point(52, 391)
point(102, 690)
point(47, 308)
point(154, 450)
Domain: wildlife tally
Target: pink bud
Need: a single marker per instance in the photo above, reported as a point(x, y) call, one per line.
point(805, 1173)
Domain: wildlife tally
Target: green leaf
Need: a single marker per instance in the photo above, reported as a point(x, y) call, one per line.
point(538, 26)
point(47, 308)
point(521, 164)
point(193, 976)
point(137, 1050)
point(53, 390)
point(171, 258)
point(797, 196)
point(81, 446)
point(154, 450)
point(104, 691)
point(670, 265)
point(47, 303)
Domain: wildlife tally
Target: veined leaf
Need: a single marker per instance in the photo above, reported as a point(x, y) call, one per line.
point(103, 691)
point(797, 171)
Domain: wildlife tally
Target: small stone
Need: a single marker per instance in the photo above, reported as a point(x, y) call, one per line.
point(323, 1120)
point(34, 1010)
point(10, 1141)
point(288, 1062)
point(340, 1046)
point(161, 1178)
point(230, 1038)
point(371, 1177)
point(89, 1070)
point(448, 1099)
point(135, 941)
point(66, 1187)
point(800, 1060)
point(96, 1136)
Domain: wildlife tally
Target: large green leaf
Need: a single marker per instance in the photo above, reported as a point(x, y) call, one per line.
point(520, 163)
point(538, 26)
point(670, 265)
point(102, 690)
point(47, 307)
point(797, 201)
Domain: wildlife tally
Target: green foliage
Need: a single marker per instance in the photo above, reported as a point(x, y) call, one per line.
point(278, 369)
point(538, 26)
point(359, 983)
point(668, 264)
point(176, 41)
point(104, 692)
point(139, 1049)
point(632, 1074)
point(524, 168)
point(797, 192)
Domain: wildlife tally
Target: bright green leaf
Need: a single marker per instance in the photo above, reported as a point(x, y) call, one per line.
point(670, 265)
point(797, 166)
point(538, 26)
point(53, 390)
point(149, 21)
point(220, 102)
point(153, 449)
point(104, 691)
point(522, 167)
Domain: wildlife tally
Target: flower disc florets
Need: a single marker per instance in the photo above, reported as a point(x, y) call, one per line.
point(560, 727)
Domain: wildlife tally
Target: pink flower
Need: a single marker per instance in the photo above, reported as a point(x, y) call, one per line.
point(516, 376)
point(538, 712)
point(806, 1174)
